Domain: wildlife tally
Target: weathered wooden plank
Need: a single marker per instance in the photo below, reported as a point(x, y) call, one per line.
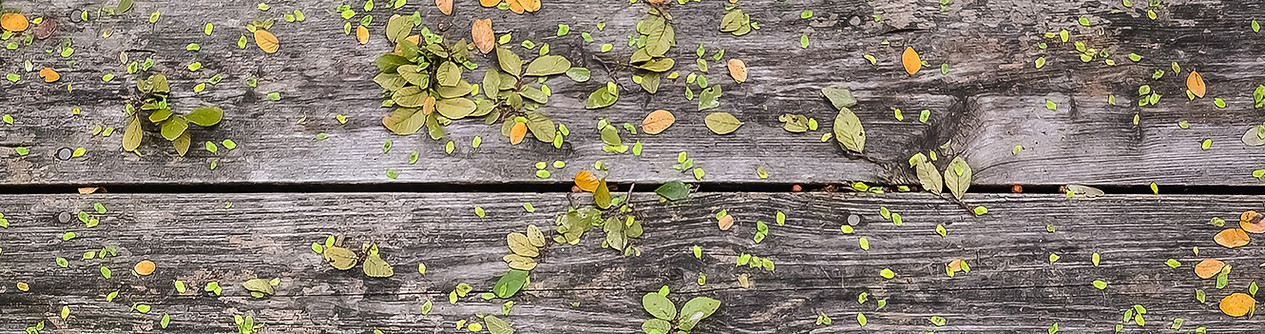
point(584, 288)
point(991, 99)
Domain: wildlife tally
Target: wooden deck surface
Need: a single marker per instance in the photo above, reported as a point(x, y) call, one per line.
point(253, 215)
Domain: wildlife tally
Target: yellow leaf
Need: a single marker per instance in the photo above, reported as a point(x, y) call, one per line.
point(362, 34)
point(1195, 83)
point(266, 41)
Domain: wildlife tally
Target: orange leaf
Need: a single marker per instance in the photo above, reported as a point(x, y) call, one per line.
point(1250, 221)
point(49, 75)
point(657, 121)
point(1208, 268)
point(489, 3)
point(738, 70)
point(518, 132)
point(1195, 83)
point(144, 268)
point(415, 39)
point(362, 34)
point(481, 32)
point(725, 222)
point(1231, 238)
point(1238, 304)
point(266, 41)
point(586, 181)
point(14, 22)
point(911, 60)
point(515, 6)
point(530, 5)
point(955, 265)
point(444, 6)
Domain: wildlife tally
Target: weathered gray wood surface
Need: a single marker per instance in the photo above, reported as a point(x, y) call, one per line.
point(991, 100)
point(587, 289)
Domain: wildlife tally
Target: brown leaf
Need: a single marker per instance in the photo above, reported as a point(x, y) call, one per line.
point(1251, 222)
point(1208, 268)
point(1195, 83)
point(657, 121)
point(445, 6)
point(1231, 238)
point(738, 70)
point(484, 38)
point(725, 222)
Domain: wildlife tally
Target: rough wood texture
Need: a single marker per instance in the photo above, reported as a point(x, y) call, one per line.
point(991, 100)
point(584, 288)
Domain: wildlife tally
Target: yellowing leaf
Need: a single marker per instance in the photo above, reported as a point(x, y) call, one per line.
point(362, 34)
point(911, 60)
point(266, 41)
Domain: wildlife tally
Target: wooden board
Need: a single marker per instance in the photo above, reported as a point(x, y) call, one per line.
point(585, 288)
point(991, 99)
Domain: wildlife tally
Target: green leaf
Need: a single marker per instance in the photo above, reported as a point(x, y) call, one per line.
point(174, 127)
point(696, 310)
point(405, 121)
point(603, 97)
point(722, 123)
point(510, 283)
point(578, 74)
point(929, 176)
point(659, 306)
point(1100, 284)
point(497, 326)
point(957, 177)
point(673, 191)
point(839, 96)
point(509, 61)
point(548, 65)
point(455, 108)
point(389, 62)
point(205, 115)
point(709, 98)
point(659, 326)
point(491, 83)
point(448, 74)
point(849, 131)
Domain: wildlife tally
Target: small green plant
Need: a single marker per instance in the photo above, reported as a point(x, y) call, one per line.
point(668, 320)
point(173, 127)
point(246, 324)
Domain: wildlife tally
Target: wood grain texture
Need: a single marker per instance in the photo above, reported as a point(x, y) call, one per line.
point(584, 288)
point(991, 99)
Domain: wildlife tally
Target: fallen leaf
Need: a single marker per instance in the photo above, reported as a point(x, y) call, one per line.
point(144, 268)
point(362, 34)
point(14, 22)
point(515, 6)
point(657, 121)
point(1231, 238)
point(445, 6)
point(49, 75)
point(530, 5)
point(1208, 268)
point(1238, 304)
point(266, 41)
point(481, 32)
point(725, 222)
point(1195, 83)
point(586, 181)
point(90, 190)
point(738, 70)
point(1251, 222)
point(911, 60)
point(489, 3)
point(518, 132)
